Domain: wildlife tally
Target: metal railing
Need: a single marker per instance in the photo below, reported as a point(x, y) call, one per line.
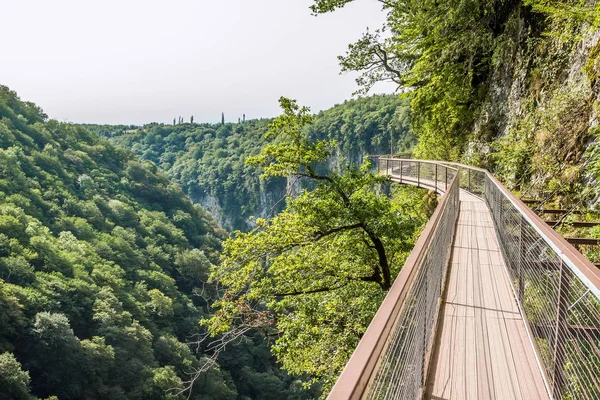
point(557, 290)
point(426, 174)
point(556, 287)
point(392, 358)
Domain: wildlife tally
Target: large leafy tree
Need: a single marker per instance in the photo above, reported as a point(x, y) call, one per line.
point(13, 380)
point(440, 53)
point(445, 54)
point(314, 275)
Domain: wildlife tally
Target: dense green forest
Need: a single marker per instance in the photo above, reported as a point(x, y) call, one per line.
point(103, 269)
point(208, 161)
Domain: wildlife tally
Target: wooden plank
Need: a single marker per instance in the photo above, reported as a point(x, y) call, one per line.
point(531, 382)
point(459, 347)
point(509, 312)
point(485, 379)
point(471, 360)
point(482, 351)
point(442, 363)
point(580, 332)
point(499, 368)
point(530, 201)
point(559, 211)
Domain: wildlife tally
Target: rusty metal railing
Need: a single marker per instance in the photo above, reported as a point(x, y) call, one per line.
point(556, 287)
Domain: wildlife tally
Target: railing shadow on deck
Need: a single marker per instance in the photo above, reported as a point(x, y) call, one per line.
point(556, 288)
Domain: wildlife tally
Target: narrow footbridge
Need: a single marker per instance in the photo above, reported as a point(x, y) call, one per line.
point(491, 303)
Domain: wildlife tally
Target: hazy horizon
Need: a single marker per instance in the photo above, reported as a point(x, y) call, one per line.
point(138, 62)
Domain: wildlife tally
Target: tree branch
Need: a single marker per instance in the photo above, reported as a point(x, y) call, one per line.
point(314, 175)
point(378, 245)
point(386, 3)
point(321, 235)
point(372, 278)
point(385, 62)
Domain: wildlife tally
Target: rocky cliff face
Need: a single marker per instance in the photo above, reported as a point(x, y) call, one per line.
point(269, 203)
point(541, 111)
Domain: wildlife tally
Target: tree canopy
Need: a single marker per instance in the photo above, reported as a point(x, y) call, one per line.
point(314, 275)
point(104, 268)
point(208, 161)
point(443, 54)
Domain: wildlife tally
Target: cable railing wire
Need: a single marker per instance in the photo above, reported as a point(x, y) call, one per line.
point(557, 294)
point(391, 360)
point(561, 309)
point(403, 367)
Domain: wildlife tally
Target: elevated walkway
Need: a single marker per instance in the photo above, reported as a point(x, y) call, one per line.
point(483, 350)
point(490, 304)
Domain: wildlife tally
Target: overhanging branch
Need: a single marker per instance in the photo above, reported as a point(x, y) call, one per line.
point(372, 278)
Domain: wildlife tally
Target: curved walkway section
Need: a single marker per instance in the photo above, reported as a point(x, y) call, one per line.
point(483, 350)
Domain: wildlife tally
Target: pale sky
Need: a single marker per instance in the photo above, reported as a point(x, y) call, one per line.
point(139, 61)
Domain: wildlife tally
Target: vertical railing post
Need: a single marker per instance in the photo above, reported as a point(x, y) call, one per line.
point(387, 166)
point(424, 299)
point(469, 179)
point(520, 261)
point(500, 217)
point(379, 165)
point(436, 178)
point(446, 180)
point(418, 173)
point(401, 168)
point(561, 326)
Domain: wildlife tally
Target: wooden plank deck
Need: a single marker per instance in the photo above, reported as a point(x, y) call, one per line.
point(482, 351)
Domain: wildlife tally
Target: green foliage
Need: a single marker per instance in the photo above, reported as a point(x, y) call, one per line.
point(443, 54)
point(14, 382)
point(567, 14)
point(441, 50)
point(101, 261)
point(208, 161)
point(592, 66)
point(314, 275)
point(544, 150)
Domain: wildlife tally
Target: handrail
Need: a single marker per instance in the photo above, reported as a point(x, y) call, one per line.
point(556, 287)
point(360, 371)
point(573, 258)
point(557, 290)
point(412, 171)
point(576, 261)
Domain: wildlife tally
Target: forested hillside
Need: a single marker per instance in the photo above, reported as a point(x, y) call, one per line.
point(103, 264)
point(208, 161)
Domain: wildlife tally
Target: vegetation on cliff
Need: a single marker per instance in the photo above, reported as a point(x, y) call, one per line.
point(208, 161)
point(511, 85)
point(313, 276)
